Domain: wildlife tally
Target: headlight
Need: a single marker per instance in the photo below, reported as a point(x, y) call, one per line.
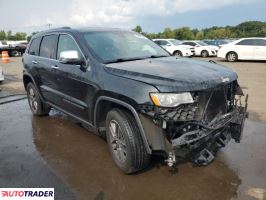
point(171, 99)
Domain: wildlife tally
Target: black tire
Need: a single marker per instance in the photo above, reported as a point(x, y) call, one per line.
point(15, 53)
point(135, 156)
point(37, 107)
point(231, 56)
point(204, 54)
point(178, 53)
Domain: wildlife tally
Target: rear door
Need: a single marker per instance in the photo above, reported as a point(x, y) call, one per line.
point(260, 49)
point(31, 59)
point(245, 49)
point(47, 68)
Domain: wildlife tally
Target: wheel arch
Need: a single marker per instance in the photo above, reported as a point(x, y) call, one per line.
point(27, 79)
point(231, 52)
point(104, 104)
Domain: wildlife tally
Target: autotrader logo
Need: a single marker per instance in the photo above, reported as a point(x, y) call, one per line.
point(27, 193)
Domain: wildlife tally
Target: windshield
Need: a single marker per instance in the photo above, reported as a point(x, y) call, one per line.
point(117, 46)
point(202, 43)
point(175, 42)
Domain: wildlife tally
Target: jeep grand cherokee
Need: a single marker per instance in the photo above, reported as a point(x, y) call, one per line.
point(127, 88)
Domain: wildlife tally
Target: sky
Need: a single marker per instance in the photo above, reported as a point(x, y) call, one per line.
point(152, 15)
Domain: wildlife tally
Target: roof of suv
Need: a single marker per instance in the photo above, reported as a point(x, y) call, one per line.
point(77, 30)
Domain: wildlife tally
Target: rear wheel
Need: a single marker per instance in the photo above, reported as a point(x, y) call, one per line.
point(15, 53)
point(36, 105)
point(231, 57)
point(178, 53)
point(204, 54)
point(125, 142)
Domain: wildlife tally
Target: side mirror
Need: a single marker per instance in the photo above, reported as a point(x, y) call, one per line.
point(197, 45)
point(70, 57)
point(168, 44)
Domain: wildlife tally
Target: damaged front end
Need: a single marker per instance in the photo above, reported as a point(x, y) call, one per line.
point(195, 131)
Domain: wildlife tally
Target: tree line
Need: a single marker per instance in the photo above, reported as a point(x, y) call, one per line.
point(245, 29)
point(10, 36)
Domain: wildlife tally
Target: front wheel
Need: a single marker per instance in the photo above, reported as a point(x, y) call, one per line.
point(178, 53)
point(204, 54)
point(231, 57)
point(125, 142)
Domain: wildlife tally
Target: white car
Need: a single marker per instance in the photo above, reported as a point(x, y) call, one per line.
point(2, 78)
point(202, 49)
point(3, 44)
point(244, 49)
point(175, 47)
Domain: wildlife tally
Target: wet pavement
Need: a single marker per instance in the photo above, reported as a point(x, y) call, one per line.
point(54, 151)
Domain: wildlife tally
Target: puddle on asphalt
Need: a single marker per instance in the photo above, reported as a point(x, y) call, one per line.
point(82, 161)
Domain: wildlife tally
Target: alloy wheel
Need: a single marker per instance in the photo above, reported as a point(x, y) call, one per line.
point(117, 140)
point(32, 100)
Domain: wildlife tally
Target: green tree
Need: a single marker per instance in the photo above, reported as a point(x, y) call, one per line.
point(9, 35)
point(199, 35)
point(30, 36)
point(2, 35)
point(137, 29)
point(168, 33)
point(20, 36)
point(184, 33)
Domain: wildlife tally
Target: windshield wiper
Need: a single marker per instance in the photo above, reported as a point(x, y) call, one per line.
point(132, 59)
point(123, 60)
point(157, 56)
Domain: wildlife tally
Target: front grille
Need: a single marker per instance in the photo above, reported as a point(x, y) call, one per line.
point(212, 103)
point(208, 104)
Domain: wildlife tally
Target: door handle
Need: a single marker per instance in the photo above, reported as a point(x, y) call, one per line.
point(54, 67)
point(34, 62)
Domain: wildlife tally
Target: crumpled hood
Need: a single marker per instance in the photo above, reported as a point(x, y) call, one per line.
point(171, 74)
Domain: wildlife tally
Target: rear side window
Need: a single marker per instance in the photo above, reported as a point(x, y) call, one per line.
point(260, 42)
point(67, 43)
point(34, 47)
point(163, 42)
point(189, 43)
point(48, 46)
point(158, 42)
point(246, 42)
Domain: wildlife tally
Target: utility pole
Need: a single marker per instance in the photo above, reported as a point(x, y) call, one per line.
point(49, 25)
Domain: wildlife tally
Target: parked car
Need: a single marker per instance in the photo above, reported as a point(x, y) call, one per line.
point(2, 77)
point(244, 49)
point(202, 49)
point(217, 43)
point(3, 44)
point(126, 88)
point(175, 47)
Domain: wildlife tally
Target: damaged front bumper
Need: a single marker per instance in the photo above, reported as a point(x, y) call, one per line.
point(198, 134)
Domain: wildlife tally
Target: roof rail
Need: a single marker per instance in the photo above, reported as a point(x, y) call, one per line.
point(65, 27)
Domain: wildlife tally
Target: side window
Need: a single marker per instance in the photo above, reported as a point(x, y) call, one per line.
point(48, 46)
point(67, 43)
point(260, 42)
point(158, 42)
point(246, 42)
point(163, 42)
point(35, 46)
point(189, 43)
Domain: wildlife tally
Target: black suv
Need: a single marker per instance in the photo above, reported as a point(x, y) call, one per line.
point(128, 89)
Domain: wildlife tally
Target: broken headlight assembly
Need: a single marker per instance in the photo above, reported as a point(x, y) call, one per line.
point(171, 99)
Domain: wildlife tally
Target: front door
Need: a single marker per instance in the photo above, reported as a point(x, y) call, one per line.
point(73, 83)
